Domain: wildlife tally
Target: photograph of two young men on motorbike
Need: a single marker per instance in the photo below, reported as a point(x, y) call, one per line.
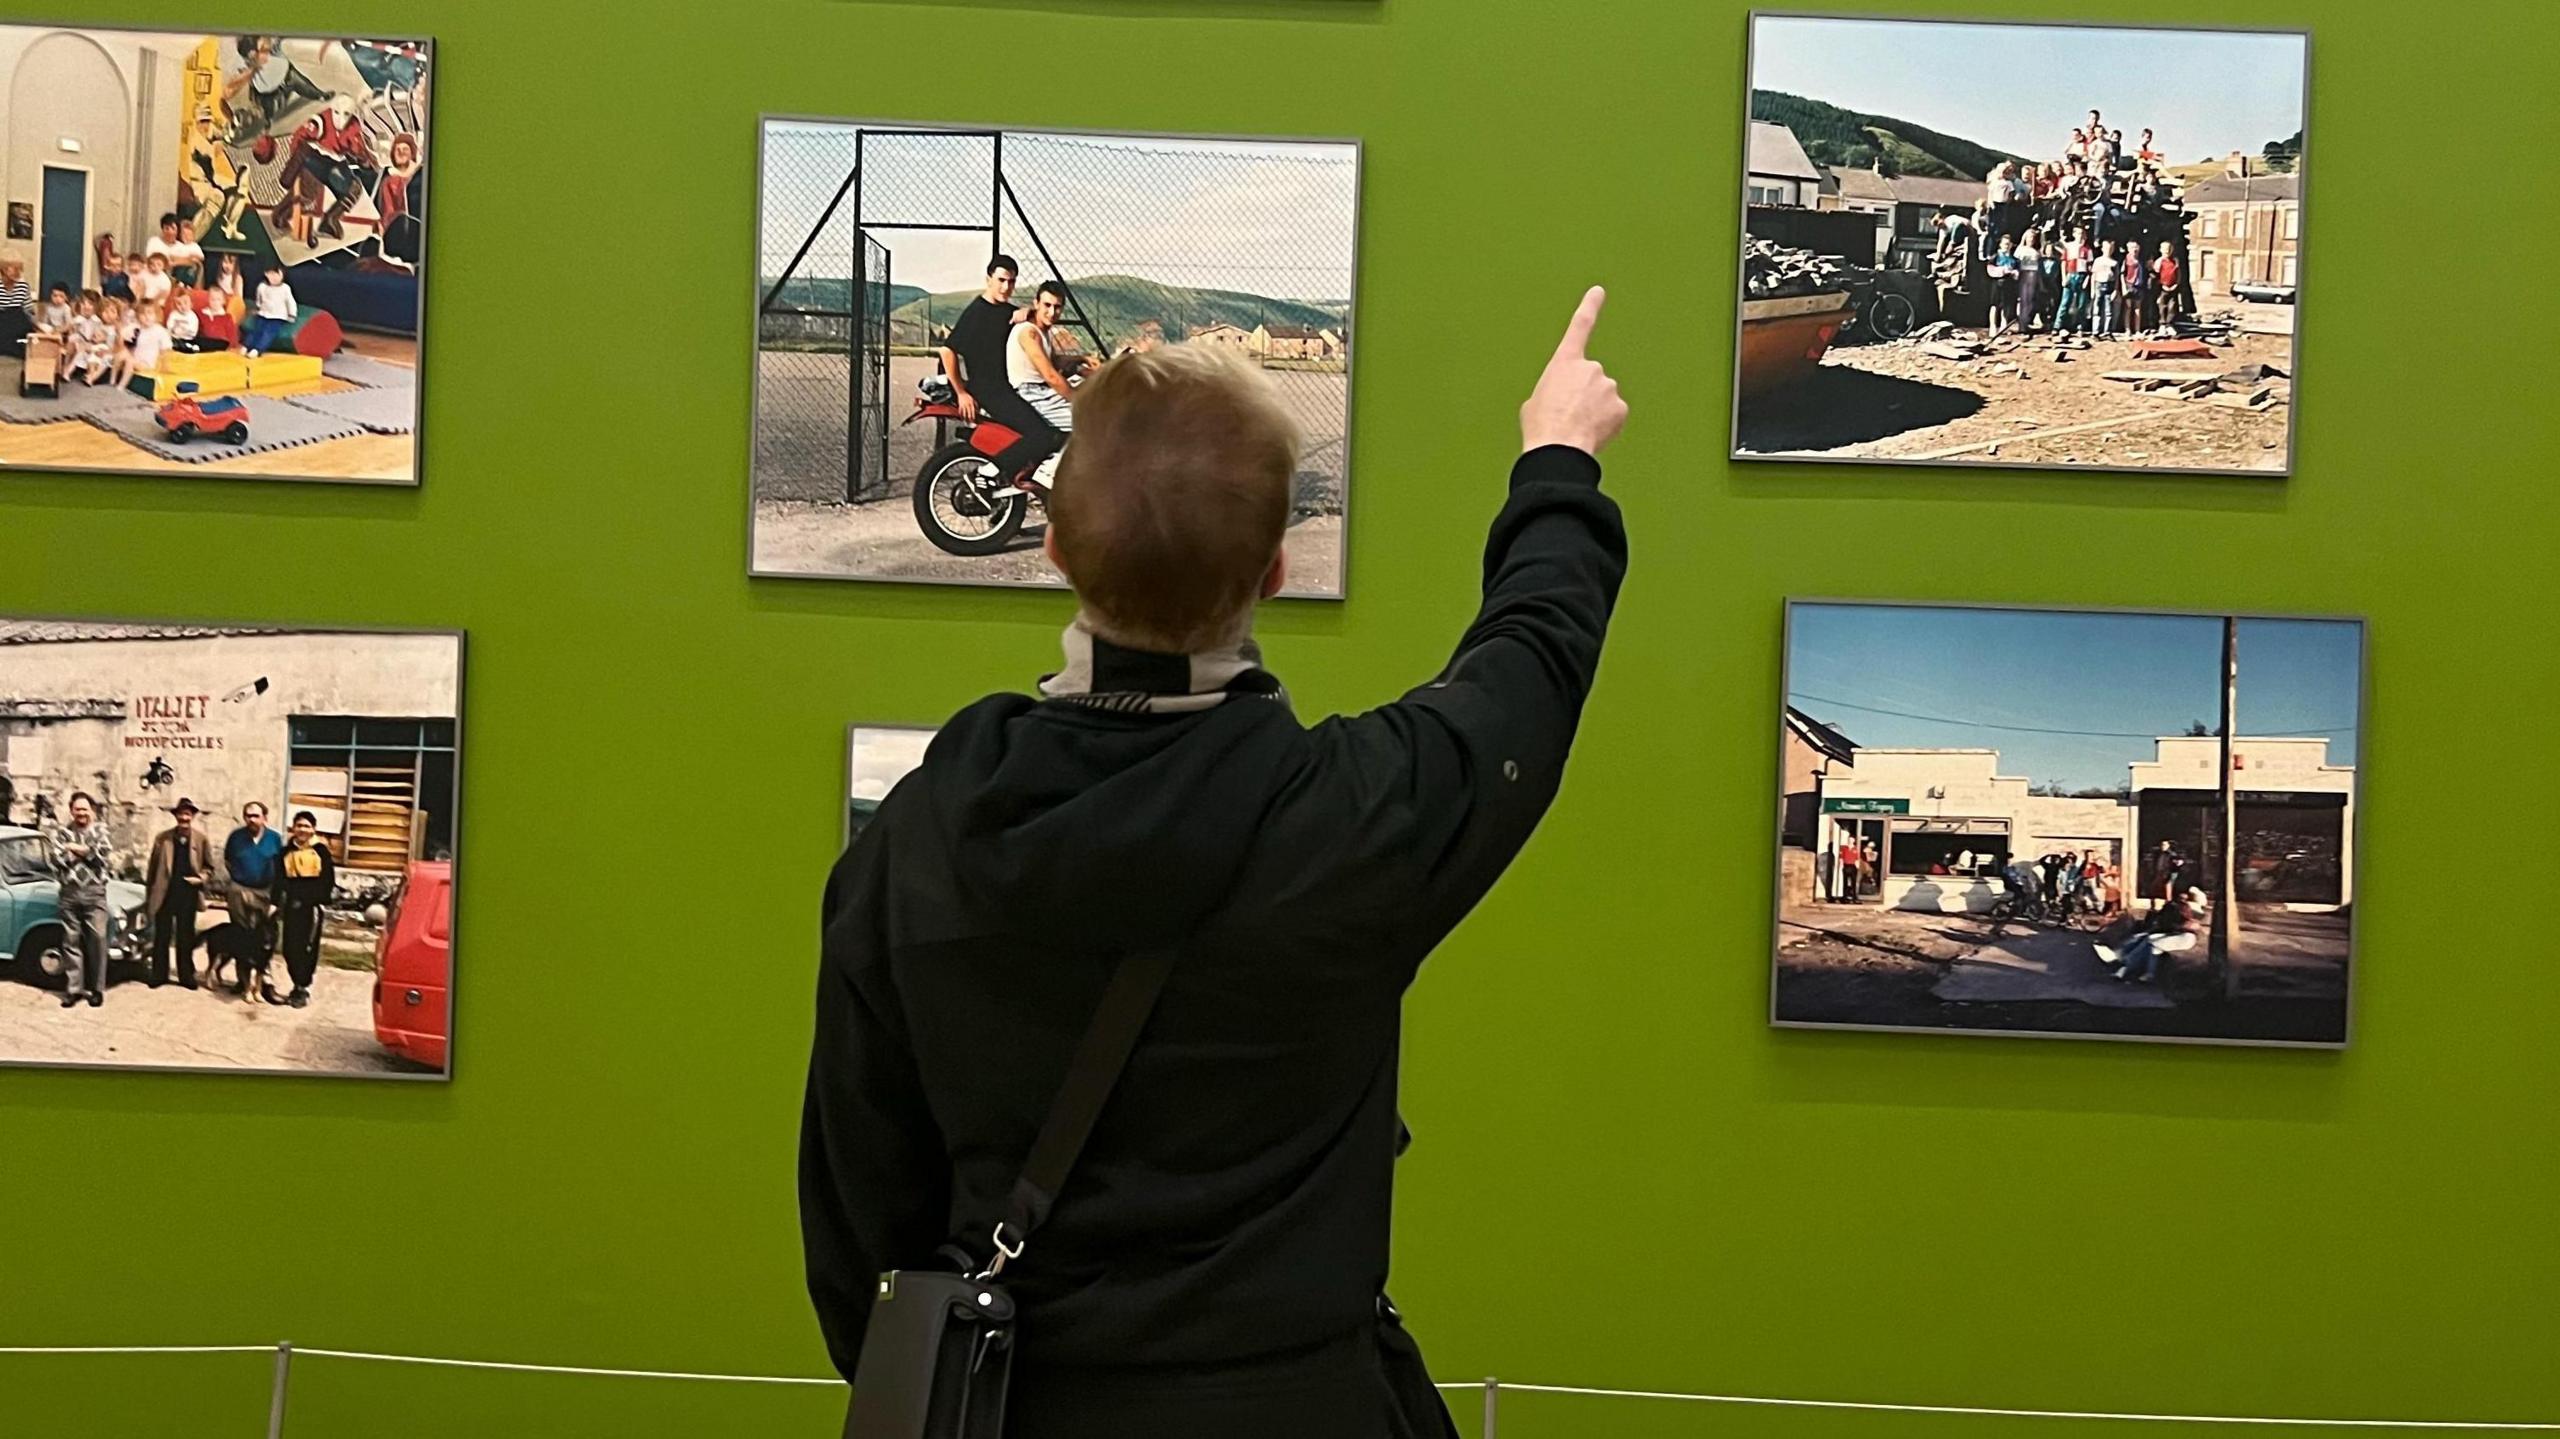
point(930, 298)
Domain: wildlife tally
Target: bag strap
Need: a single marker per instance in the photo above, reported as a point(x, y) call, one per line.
point(1092, 1074)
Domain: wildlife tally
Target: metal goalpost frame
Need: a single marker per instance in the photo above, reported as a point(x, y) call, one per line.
point(866, 316)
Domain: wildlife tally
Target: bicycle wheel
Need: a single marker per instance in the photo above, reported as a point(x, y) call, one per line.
point(1892, 316)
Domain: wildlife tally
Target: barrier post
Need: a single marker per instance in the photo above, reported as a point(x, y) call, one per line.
point(1492, 1396)
point(275, 1397)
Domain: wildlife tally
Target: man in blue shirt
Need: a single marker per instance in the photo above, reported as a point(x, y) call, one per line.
point(249, 858)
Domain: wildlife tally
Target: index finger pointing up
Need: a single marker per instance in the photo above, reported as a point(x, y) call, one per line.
point(1577, 331)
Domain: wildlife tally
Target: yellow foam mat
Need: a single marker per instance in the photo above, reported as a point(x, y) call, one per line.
point(225, 372)
point(269, 371)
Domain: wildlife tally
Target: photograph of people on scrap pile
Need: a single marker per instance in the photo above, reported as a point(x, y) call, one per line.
point(215, 253)
point(2094, 823)
point(2020, 244)
point(929, 299)
point(227, 846)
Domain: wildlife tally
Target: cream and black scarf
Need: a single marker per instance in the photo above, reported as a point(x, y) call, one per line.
point(1106, 676)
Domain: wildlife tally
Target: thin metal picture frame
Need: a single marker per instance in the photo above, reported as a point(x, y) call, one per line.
point(1778, 840)
point(454, 926)
point(755, 349)
point(1742, 245)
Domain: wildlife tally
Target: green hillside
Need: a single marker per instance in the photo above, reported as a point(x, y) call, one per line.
point(836, 295)
point(1118, 303)
point(1833, 136)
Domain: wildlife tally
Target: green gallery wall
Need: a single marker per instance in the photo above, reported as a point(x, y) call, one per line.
point(1622, 1177)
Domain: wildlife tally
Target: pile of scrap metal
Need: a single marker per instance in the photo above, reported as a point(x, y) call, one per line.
point(1770, 270)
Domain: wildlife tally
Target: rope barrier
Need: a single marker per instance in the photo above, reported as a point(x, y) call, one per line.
point(564, 1368)
point(1490, 1387)
point(2506, 1426)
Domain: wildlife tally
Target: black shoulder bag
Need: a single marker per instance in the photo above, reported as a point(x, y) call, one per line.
point(938, 1353)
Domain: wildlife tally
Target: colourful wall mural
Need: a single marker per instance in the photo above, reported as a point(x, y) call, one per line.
point(300, 150)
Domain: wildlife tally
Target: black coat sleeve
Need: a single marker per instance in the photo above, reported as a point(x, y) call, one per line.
point(1468, 763)
point(875, 1181)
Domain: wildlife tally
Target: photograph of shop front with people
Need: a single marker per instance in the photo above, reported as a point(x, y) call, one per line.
point(929, 298)
point(2015, 819)
point(214, 255)
point(2020, 244)
point(227, 846)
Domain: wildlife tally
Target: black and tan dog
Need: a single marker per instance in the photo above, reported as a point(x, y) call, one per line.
point(247, 952)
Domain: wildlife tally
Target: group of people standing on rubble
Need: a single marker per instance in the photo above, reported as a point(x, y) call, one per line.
point(2092, 243)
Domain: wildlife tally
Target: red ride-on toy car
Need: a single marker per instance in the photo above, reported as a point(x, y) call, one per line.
point(186, 417)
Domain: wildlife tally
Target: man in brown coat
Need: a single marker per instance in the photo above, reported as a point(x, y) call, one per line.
point(184, 864)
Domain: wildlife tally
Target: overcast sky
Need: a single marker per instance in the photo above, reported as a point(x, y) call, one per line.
point(1269, 218)
point(882, 757)
point(2022, 88)
point(2066, 697)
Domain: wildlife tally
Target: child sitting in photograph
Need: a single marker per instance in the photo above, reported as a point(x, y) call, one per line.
point(229, 292)
point(184, 327)
point(92, 344)
point(153, 285)
point(275, 311)
point(53, 317)
point(119, 284)
point(122, 327)
point(150, 346)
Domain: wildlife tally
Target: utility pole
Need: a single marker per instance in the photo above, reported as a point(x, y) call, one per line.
point(2226, 917)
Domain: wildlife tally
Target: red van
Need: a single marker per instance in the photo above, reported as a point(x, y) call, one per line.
point(413, 966)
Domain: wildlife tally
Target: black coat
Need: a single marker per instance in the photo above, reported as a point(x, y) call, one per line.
point(1228, 1220)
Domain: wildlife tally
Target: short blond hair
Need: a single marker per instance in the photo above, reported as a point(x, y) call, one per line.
point(1173, 495)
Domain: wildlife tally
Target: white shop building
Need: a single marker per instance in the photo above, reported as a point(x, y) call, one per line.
point(359, 728)
point(2296, 820)
point(1942, 824)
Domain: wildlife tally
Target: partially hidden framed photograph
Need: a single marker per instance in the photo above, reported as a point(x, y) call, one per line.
point(228, 847)
point(876, 758)
point(222, 260)
point(2116, 824)
point(929, 296)
point(2064, 246)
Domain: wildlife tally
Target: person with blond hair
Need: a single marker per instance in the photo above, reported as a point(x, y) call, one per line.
point(1216, 1258)
point(17, 302)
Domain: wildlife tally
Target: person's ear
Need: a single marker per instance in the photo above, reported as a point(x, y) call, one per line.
point(1049, 547)
point(1276, 578)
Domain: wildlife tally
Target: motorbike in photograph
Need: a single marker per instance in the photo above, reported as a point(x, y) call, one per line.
point(964, 503)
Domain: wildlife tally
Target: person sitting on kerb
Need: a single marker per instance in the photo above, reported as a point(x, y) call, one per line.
point(1216, 1261)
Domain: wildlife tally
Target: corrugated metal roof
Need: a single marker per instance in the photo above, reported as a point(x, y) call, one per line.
point(54, 632)
point(1774, 151)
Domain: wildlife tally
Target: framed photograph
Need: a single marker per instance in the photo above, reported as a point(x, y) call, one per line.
point(891, 254)
point(228, 847)
point(876, 758)
point(2112, 824)
point(2020, 244)
point(224, 253)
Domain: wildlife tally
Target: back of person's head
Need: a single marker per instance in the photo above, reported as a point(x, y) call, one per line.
point(1172, 497)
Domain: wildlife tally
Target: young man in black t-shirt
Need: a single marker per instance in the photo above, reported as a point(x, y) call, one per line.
point(973, 360)
point(973, 352)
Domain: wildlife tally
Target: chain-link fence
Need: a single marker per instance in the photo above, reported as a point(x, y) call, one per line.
point(822, 310)
point(1245, 244)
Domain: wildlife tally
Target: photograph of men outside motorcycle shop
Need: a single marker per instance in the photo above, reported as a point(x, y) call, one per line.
point(929, 298)
point(228, 847)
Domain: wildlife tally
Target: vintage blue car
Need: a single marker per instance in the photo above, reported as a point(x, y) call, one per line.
point(31, 923)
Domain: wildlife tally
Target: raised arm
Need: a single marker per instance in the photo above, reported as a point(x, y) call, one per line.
point(1472, 759)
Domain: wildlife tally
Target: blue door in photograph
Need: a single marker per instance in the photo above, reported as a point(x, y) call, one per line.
point(66, 223)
